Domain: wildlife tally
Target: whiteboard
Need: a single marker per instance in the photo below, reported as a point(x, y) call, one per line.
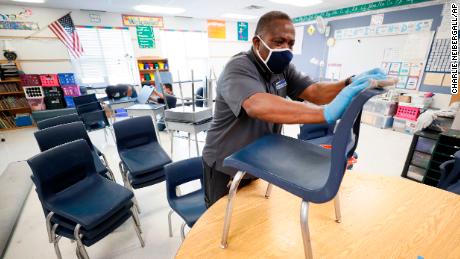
point(353, 56)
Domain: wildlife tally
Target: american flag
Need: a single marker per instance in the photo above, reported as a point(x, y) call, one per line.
point(65, 31)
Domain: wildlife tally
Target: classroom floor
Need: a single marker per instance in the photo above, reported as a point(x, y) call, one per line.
point(380, 152)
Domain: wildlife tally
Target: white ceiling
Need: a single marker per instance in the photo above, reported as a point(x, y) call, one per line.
point(194, 8)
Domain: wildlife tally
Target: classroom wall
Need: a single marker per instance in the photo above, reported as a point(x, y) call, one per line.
point(56, 58)
point(315, 46)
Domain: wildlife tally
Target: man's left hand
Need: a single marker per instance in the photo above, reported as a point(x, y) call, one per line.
point(376, 73)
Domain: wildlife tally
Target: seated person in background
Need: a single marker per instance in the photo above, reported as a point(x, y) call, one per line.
point(119, 91)
point(168, 93)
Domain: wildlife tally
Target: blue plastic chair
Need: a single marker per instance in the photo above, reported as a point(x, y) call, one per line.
point(75, 199)
point(450, 174)
point(311, 172)
point(61, 134)
point(92, 113)
point(142, 157)
point(191, 205)
point(64, 119)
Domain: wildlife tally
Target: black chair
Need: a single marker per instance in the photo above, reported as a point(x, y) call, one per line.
point(64, 119)
point(92, 113)
point(142, 158)
point(79, 204)
point(61, 134)
point(450, 174)
point(190, 206)
point(312, 173)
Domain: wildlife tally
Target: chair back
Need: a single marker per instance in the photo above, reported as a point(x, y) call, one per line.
point(450, 172)
point(61, 134)
point(345, 140)
point(181, 172)
point(84, 99)
point(61, 167)
point(313, 131)
point(64, 119)
point(88, 107)
point(134, 132)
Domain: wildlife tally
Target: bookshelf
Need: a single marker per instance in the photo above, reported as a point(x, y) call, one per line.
point(12, 100)
point(147, 67)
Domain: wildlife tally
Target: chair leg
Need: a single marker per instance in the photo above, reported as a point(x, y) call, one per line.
point(109, 171)
point(338, 214)
point(170, 223)
point(77, 236)
point(228, 214)
point(269, 190)
point(182, 232)
point(136, 218)
point(56, 241)
point(305, 230)
point(127, 184)
point(105, 134)
point(171, 134)
point(189, 145)
point(48, 226)
point(138, 231)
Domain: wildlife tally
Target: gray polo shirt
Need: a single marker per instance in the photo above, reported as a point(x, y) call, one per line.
point(231, 128)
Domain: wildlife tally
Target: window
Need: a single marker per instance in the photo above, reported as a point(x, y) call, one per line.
point(186, 51)
point(108, 57)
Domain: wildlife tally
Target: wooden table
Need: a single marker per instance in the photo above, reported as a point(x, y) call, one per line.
point(382, 217)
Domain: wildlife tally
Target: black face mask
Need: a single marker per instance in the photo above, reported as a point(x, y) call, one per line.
point(277, 59)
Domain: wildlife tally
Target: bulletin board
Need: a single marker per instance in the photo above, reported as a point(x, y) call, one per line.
point(401, 56)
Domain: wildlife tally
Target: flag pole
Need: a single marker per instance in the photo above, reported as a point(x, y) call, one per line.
point(42, 29)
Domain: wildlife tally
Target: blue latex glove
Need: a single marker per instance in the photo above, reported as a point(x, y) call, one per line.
point(376, 73)
point(334, 110)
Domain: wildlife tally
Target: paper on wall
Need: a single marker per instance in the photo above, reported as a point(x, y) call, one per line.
point(433, 79)
point(299, 31)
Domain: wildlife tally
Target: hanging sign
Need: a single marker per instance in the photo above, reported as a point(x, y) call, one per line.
point(216, 29)
point(135, 20)
point(145, 37)
point(243, 31)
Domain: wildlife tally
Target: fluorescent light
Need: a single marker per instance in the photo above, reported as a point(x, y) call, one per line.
point(30, 1)
point(238, 16)
point(300, 3)
point(158, 9)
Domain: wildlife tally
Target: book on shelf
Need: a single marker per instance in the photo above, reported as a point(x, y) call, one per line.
point(7, 121)
point(9, 87)
point(12, 102)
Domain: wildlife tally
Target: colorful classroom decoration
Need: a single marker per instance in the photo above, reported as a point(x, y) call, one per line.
point(216, 29)
point(242, 31)
point(145, 37)
point(135, 20)
point(358, 9)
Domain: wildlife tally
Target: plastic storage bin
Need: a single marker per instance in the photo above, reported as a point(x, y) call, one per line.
point(23, 120)
point(49, 80)
point(377, 120)
point(54, 98)
point(69, 101)
point(380, 106)
point(33, 92)
point(30, 80)
point(425, 145)
point(404, 125)
point(71, 90)
point(67, 79)
point(416, 173)
point(407, 112)
point(421, 159)
point(37, 104)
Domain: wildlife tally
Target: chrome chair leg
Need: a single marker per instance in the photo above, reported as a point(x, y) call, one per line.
point(109, 171)
point(76, 234)
point(171, 133)
point(228, 214)
point(136, 218)
point(269, 190)
point(189, 145)
point(77, 251)
point(338, 214)
point(305, 230)
point(56, 241)
point(48, 226)
point(170, 223)
point(105, 134)
point(138, 232)
point(182, 232)
point(196, 145)
point(127, 184)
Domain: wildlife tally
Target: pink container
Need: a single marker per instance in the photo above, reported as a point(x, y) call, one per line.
point(71, 90)
point(406, 112)
point(30, 80)
point(49, 80)
point(37, 104)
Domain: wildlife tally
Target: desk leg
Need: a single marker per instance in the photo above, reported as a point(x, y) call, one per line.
point(189, 146)
point(196, 143)
point(269, 191)
point(171, 133)
point(305, 230)
point(228, 213)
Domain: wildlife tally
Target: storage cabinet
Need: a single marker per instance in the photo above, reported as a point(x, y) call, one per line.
point(427, 152)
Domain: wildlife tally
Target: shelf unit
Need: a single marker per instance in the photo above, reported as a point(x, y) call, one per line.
point(427, 152)
point(17, 93)
point(147, 68)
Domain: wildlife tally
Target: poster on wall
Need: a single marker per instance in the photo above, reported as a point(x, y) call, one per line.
point(216, 29)
point(145, 37)
point(135, 20)
point(412, 83)
point(243, 31)
point(394, 68)
point(28, 26)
